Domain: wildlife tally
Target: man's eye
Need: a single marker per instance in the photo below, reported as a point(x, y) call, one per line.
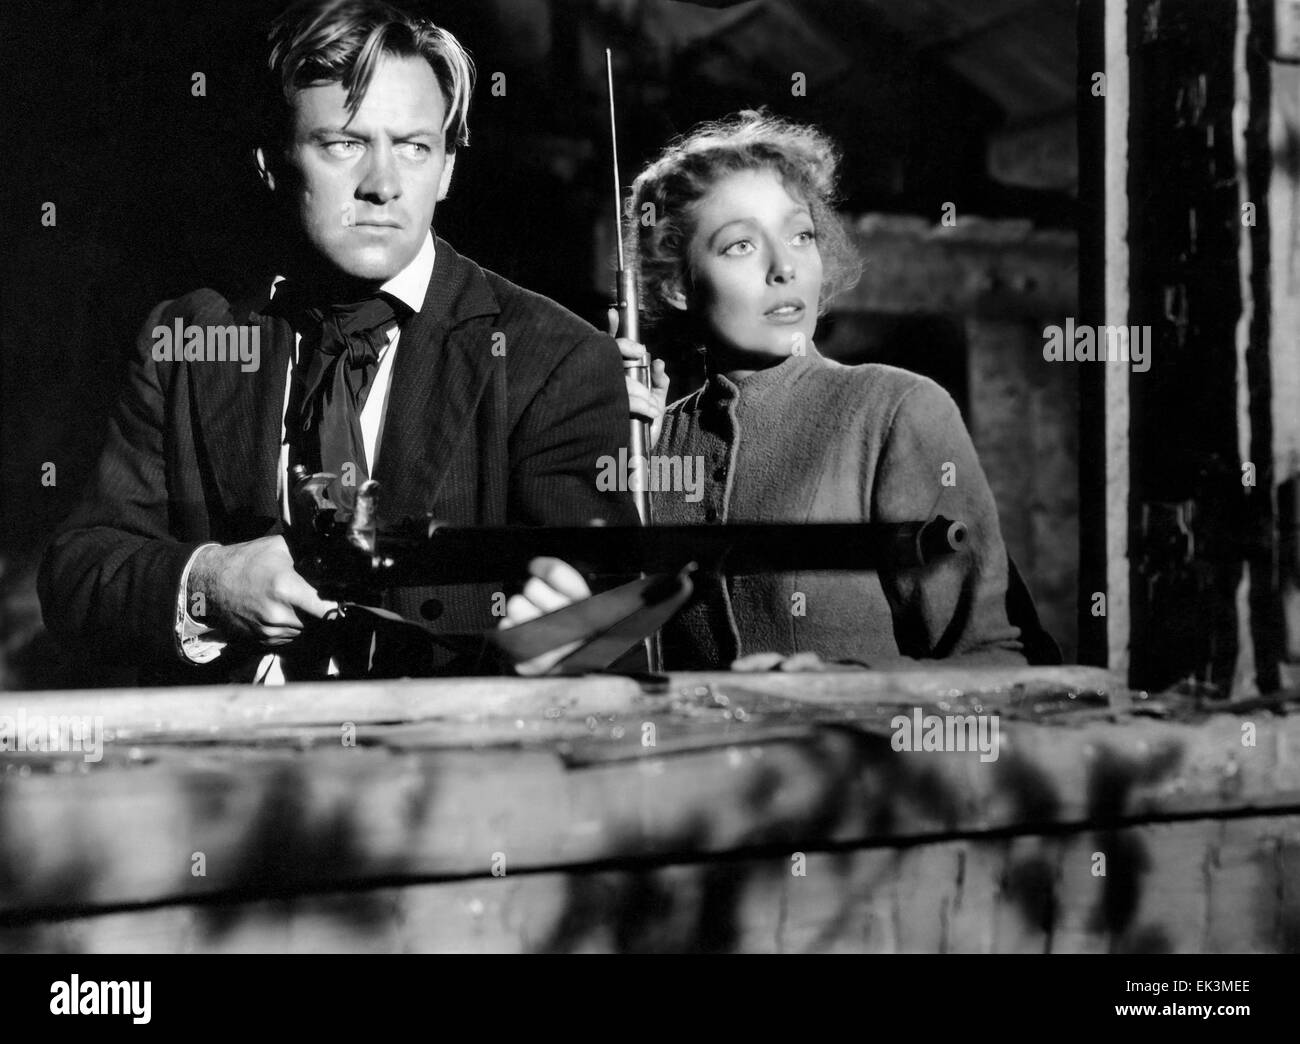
point(413, 149)
point(342, 148)
point(739, 248)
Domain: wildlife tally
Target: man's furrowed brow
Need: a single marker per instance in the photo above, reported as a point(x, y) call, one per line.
point(348, 131)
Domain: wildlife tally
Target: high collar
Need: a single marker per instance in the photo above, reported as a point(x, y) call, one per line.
point(458, 289)
point(438, 283)
point(721, 390)
point(411, 283)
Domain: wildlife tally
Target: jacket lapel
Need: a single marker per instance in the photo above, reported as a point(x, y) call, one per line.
point(240, 415)
point(443, 365)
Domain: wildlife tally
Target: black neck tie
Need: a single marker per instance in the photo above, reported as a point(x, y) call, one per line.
point(340, 354)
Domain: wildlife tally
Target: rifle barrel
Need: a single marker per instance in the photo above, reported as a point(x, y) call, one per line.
point(452, 554)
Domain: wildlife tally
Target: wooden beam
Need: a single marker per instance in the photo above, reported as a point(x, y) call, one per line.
point(980, 267)
point(737, 766)
point(1219, 886)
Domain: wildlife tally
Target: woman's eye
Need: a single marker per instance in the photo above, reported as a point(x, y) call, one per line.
point(739, 248)
point(805, 237)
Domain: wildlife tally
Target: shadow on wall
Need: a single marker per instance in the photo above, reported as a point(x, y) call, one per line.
point(701, 908)
point(305, 837)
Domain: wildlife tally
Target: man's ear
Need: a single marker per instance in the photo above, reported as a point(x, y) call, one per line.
point(263, 168)
point(445, 184)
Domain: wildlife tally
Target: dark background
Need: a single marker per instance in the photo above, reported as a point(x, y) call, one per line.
point(156, 196)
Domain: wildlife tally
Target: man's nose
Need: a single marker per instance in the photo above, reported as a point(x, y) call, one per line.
point(380, 183)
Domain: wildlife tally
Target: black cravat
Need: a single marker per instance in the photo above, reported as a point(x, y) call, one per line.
point(340, 354)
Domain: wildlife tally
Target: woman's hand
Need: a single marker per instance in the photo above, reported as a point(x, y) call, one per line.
point(646, 403)
point(803, 661)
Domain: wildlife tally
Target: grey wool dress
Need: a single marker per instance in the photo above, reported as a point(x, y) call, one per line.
point(812, 440)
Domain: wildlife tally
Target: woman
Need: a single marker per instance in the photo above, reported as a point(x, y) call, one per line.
point(738, 250)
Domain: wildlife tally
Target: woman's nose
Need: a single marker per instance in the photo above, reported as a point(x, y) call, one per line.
point(782, 270)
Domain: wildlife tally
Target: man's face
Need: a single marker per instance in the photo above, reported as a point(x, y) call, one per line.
point(365, 188)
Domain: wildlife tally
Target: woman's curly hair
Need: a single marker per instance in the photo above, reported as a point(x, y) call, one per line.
point(664, 197)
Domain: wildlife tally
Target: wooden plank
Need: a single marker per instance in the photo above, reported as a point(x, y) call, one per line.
point(296, 819)
point(223, 712)
point(876, 901)
point(980, 267)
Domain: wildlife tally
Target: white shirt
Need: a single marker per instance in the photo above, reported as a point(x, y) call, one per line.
point(408, 286)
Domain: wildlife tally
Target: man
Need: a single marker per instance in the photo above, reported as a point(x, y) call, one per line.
point(383, 353)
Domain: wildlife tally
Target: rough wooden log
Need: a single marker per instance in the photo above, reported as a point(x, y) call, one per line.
point(458, 780)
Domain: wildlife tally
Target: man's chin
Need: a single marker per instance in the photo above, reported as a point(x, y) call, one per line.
point(372, 266)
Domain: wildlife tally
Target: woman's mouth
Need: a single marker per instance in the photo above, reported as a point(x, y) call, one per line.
point(785, 312)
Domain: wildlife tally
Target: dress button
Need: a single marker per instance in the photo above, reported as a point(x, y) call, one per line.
point(720, 472)
point(711, 515)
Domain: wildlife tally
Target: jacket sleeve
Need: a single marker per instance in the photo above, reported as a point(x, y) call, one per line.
point(953, 609)
point(109, 577)
point(578, 416)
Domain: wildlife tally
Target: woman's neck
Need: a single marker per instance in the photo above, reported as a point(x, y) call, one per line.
point(736, 365)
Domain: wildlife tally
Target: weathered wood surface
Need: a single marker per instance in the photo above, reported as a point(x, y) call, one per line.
point(691, 843)
point(1216, 886)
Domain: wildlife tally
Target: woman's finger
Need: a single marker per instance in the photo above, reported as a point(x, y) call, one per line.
point(643, 404)
point(611, 321)
point(760, 661)
point(632, 351)
point(659, 375)
point(803, 661)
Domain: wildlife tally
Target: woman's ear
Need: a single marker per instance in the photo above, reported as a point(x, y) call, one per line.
point(674, 295)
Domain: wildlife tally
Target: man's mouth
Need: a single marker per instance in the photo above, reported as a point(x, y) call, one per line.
point(790, 311)
point(378, 224)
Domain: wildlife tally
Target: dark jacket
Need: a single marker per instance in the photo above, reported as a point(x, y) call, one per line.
point(475, 437)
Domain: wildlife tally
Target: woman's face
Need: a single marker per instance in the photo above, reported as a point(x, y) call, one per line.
point(756, 272)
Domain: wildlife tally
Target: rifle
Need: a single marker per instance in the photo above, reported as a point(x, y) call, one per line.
point(349, 556)
point(344, 553)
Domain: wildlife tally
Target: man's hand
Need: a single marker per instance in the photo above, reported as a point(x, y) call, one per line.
point(646, 403)
point(552, 585)
point(251, 590)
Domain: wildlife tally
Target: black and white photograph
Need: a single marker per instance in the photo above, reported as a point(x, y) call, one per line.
point(652, 477)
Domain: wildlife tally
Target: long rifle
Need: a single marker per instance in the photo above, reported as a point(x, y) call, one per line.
point(350, 556)
point(629, 326)
point(342, 551)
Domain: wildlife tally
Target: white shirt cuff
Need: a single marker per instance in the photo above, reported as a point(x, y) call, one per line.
point(191, 635)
